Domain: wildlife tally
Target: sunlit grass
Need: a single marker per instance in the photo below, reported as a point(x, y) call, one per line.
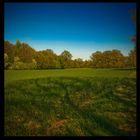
point(15, 75)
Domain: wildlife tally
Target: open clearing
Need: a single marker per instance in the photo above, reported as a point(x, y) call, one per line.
point(71, 102)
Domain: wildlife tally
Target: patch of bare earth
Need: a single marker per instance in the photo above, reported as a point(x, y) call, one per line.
point(32, 125)
point(57, 127)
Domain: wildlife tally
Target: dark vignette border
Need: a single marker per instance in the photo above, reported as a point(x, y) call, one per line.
point(2, 60)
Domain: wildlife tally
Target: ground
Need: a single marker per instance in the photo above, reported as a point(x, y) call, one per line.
point(71, 102)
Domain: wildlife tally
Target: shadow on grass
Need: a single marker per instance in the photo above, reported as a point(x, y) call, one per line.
point(102, 122)
point(88, 118)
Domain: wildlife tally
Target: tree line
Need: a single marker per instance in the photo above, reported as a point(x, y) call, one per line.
point(22, 56)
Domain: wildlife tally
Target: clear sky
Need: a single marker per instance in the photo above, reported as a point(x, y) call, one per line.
point(81, 28)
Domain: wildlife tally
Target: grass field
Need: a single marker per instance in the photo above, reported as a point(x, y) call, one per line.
point(14, 75)
point(71, 102)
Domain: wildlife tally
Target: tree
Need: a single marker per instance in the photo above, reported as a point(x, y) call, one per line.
point(133, 52)
point(132, 57)
point(26, 53)
point(65, 59)
point(34, 63)
point(107, 59)
point(9, 50)
point(6, 63)
point(127, 62)
point(118, 60)
point(52, 59)
point(87, 63)
point(40, 59)
point(96, 59)
point(47, 59)
point(78, 63)
point(17, 63)
point(28, 58)
point(66, 54)
point(17, 47)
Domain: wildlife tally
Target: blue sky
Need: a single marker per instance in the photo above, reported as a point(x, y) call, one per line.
point(81, 28)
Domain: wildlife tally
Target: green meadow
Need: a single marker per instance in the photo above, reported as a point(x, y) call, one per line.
point(70, 102)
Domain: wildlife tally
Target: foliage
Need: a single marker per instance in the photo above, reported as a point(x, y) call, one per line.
point(26, 53)
point(108, 59)
point(47, 59)
point(132, 57)
point(132, 53)
point(65, 59)
point(9, 50)
point(6, 61)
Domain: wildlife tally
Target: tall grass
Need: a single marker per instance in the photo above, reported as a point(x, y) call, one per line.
point(70, 106)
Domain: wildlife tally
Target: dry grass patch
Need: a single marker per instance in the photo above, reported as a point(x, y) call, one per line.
point(32, 125)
